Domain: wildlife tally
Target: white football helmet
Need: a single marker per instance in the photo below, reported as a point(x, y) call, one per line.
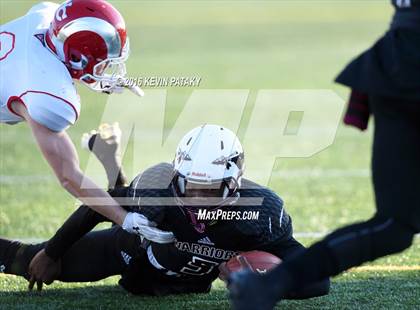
point(208, 164)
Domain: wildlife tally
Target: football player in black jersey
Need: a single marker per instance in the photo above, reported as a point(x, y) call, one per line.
point(385, 82)
point(206, 174)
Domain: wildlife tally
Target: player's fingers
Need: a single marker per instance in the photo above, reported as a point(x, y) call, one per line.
point(31, 283)
point(244, 263)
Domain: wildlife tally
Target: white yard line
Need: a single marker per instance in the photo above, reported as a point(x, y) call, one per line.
point(285, 174)
point(25, 179)
point(309, 234)
point(322, 173)
point(381, 268)
point(362, 269)
point(318, 234)
point(314, 235)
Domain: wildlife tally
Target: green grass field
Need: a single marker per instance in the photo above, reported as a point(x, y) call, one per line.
point(231, 45)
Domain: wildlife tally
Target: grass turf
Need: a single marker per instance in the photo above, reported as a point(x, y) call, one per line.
point(230, 44)
point(376, 288)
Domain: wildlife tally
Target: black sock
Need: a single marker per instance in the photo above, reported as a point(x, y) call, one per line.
point(347, 247)
point(312, 265)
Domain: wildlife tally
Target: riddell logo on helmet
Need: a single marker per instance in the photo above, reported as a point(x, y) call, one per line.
point(199, 174)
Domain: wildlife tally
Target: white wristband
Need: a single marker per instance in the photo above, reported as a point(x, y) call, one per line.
point(136, 223)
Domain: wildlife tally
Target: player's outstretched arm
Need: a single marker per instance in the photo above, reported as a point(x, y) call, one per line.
point(59, 151)
point(82, 221)
point(42, 265)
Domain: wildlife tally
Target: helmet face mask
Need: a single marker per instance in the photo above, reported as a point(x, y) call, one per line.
point(108, 73)
point(193, 197)
point(208, 166)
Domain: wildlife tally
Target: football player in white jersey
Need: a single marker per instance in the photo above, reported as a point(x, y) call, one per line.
point(41, 54)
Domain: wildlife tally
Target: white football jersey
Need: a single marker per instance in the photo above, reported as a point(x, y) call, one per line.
point(32, 74)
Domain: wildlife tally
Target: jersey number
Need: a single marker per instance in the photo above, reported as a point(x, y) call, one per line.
point(61, 13)
point(198, 266)
point(7, 44)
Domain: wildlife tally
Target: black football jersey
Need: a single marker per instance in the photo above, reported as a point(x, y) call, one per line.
point(198, 252)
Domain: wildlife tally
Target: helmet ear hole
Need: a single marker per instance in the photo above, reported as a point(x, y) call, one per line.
point(74, 57)
point(78, 61)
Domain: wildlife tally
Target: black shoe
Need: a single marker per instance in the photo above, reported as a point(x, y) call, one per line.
point(251, 291)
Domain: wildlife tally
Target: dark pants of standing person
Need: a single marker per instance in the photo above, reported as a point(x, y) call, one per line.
point(396, 180)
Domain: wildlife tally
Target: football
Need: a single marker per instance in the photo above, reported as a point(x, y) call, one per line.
point(257, 261)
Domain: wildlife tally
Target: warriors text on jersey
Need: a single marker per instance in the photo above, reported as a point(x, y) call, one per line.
point(189, 264)
point(32, 75)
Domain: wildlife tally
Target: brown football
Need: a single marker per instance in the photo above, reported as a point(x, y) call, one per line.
point(257, 261)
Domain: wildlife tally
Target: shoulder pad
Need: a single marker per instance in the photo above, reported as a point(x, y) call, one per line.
point(156, 177)
point(51, 111)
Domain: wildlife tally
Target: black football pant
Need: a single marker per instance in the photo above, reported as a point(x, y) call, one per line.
point(97, 255)
point(396, 180)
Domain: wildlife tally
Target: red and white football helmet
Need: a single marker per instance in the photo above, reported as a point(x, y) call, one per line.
point(90, 38)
